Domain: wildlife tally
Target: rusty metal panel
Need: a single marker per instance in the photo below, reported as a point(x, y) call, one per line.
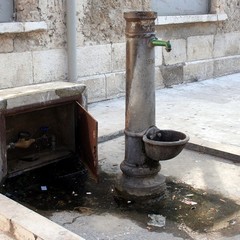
point(3, 151)
point(86, 139)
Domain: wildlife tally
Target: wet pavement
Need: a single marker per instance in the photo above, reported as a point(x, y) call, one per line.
point(201, 212)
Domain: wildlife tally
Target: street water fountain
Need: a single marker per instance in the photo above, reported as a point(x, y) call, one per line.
point(63, 187)
point(145, 144)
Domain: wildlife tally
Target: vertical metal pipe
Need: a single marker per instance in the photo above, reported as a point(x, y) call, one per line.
point(71, 40)
point(140, 71)
point(140, 84)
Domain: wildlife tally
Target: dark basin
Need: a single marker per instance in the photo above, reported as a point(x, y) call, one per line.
point(163, 144)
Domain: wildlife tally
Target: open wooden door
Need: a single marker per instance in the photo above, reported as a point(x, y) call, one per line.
point(86, 140)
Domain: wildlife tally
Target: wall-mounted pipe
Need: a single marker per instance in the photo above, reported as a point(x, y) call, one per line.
point(71, 40)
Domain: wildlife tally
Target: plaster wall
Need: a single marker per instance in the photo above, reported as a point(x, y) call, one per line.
point(200, 50)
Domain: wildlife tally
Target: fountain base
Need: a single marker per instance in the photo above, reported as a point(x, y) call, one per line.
point(140, 169)
point(132, 188)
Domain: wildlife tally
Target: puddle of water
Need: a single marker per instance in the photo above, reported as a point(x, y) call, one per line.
point(41, 191)
point(53, 187)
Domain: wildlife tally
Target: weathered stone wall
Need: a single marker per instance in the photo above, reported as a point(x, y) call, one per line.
point(40, 56)
point(53, 13)
point(102, 21)
point(200, 50)
point(101, 45)
point(232, 8)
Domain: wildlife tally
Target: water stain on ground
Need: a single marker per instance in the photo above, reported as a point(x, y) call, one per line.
point(43, 192)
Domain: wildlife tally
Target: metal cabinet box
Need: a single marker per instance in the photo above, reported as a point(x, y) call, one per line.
point(57, 128)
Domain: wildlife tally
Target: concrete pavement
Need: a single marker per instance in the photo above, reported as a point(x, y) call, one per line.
point(209, 112)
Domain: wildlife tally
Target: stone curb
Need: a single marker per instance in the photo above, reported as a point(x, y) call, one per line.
point(225, 151)
point(24, 224)
point(110, 136)
point(221, 150)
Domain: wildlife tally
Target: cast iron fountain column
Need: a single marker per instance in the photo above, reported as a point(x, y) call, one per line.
point(140, 176)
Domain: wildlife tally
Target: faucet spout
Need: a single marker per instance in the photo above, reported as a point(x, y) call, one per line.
point(156, 42)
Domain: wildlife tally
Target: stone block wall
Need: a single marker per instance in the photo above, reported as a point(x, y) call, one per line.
point(202, 50)
point(38, 54)
point(201, 57)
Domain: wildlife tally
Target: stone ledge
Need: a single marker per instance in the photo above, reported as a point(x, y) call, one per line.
point(22, 27)
point(24, 224)
point(221, 150)
point(16, 97)
point(167, 20)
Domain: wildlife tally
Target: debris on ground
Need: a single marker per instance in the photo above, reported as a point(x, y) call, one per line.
point(197, 210)
point(188, 201)
point(84, 210)
point(232, 222)
point(44, 188)
point(157, 220)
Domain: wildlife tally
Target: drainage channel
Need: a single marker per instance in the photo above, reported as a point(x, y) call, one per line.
point(50, 189)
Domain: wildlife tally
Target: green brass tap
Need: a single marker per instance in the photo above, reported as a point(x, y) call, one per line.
point(156, 42)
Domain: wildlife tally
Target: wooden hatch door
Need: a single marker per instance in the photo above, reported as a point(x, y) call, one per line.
point(86, 140)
